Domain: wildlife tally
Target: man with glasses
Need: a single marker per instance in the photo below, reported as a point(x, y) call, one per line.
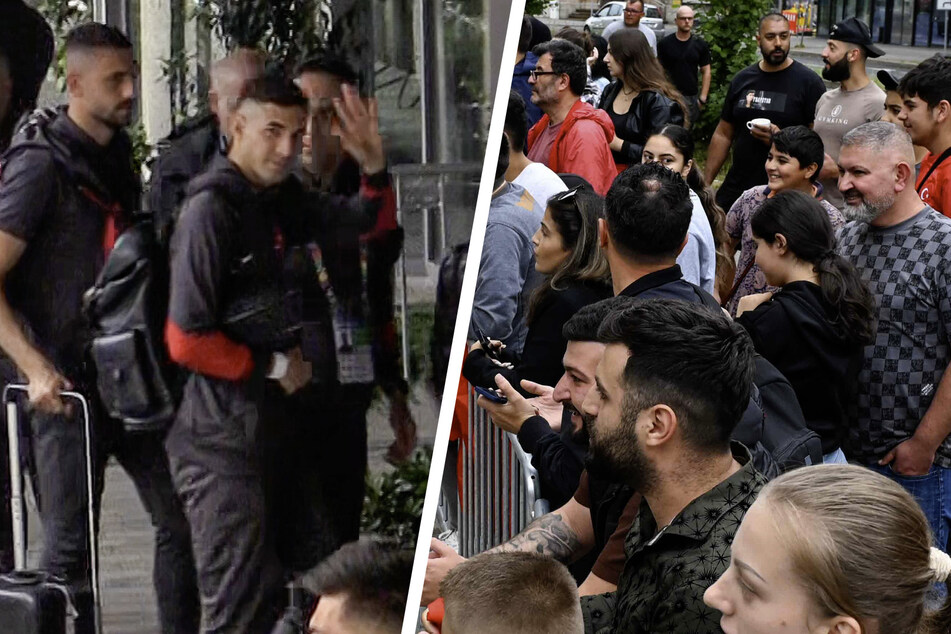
point(572, 136)
point(633, 13)
point(681, 53)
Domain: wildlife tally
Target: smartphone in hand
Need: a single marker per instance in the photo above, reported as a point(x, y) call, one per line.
point(493, 395)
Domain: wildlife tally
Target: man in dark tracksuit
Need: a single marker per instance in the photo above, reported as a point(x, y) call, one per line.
point(67, 189)
point(360, 281)
point(188, 150)
point(237, 323)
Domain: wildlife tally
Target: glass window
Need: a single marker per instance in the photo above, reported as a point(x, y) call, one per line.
point(652, 12)
point(616, 9)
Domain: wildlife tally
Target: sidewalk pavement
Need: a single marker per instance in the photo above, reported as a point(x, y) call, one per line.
point(896, 57)
point(126, 536)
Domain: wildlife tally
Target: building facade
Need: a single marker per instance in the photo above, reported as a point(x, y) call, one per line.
point(905, 22)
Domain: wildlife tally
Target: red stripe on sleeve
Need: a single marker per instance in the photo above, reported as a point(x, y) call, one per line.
point(386, 216)
point(212, 354)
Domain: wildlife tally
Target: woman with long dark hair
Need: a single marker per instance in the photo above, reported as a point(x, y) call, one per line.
point(567, 252)
point(814, 329)
point(707, 259)
point(641, 99)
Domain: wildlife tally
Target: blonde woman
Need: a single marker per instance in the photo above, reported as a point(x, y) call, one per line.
point(833, 549)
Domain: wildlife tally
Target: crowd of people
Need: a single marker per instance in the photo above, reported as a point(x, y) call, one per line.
point(754, 433)
point(274, 219)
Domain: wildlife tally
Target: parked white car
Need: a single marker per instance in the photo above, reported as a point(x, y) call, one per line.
point(614, 11)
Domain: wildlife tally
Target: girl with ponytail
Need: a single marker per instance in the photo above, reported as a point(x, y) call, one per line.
point(815, 327)
point(707, 260)
point(835, 549)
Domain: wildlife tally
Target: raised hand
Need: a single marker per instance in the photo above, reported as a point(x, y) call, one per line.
point(358, 127)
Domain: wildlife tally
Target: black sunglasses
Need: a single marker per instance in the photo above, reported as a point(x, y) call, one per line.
point(567, 195)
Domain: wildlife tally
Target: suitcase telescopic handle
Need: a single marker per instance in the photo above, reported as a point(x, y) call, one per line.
point(16, 488)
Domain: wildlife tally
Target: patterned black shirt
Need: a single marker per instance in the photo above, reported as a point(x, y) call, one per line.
point(908, 271)
point(666, 573)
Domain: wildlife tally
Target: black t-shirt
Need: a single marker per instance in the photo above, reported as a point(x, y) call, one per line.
point(787, 97)
point(682, 60)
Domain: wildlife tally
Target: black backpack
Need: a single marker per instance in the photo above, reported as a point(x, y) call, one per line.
point(773, 427)
point(773, 422)
point(126, 308)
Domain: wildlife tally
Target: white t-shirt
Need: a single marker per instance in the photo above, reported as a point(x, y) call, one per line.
point(698, 260)
point(616, 26)
point(541, 182)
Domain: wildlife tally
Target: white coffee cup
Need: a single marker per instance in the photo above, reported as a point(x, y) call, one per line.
point(759, 123)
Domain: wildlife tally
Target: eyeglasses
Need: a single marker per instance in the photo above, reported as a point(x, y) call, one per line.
point(633, 11)
point(534, 74)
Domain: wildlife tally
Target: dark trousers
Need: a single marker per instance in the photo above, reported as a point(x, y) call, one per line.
point(60, 485)
point(333, 435)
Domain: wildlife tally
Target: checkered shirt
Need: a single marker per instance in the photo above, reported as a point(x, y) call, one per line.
point(908, 270)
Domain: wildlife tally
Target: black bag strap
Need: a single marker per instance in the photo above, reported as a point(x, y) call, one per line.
point(941, 159)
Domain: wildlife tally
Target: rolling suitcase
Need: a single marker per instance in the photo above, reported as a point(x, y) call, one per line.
point(34, 602)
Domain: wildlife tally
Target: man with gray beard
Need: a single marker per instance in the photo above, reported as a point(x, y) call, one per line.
point(900, 418)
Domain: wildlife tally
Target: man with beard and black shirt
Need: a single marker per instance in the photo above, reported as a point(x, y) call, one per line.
point(66, 192)
point(671, 387)
point(857, 100)
point(776, 88)
point(240, 310)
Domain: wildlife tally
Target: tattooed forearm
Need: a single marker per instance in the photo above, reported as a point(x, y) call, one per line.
point(548, 535)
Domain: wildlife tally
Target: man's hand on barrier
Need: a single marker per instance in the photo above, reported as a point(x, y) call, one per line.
point(44, 387)
point(545, 403)
point(298, 372)
point(442, 559)
point(512, 415)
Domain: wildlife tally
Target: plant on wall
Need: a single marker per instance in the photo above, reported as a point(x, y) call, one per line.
point(730, 28)
point(288, 30)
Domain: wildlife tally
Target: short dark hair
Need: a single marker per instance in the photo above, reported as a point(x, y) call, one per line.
point(516, 122)
point(90, 35)
point(690, 357)
point(525, 34)
point(648, 211)
point(772, 16)
point(503, 163)
point(930, 81)
point(568, 59)
point(373, 578)
point(584, 324)
point(274, 88)
point(331, 63)
point(515, 592)
point(802, 144)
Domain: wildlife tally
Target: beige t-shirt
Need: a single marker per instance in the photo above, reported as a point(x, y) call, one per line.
point(837, 112)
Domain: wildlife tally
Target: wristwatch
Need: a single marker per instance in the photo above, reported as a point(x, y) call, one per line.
point(702, 100)
point(279, 365)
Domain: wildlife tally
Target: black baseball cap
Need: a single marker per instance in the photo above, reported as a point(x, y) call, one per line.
point(854, 31)
point(890, 78)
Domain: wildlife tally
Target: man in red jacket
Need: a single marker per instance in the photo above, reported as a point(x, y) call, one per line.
point(571, 137)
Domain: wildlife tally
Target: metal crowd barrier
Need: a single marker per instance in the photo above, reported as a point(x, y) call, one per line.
point(501, 492)
point(435, 204)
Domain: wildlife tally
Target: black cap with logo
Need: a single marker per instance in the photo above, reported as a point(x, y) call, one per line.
point(854, 31)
